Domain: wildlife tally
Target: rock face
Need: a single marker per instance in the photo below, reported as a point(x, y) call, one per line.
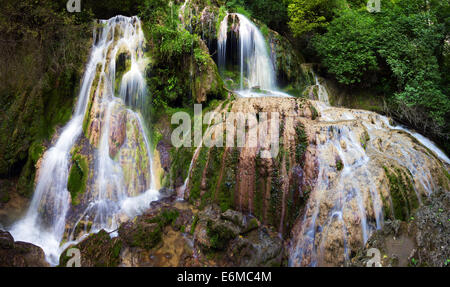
point(338, 176)
point(287, 62)
point(242, 179)
point(207, 83)
point(421, 241)
point(19, 254)
point(171, 233)
point(367, 172)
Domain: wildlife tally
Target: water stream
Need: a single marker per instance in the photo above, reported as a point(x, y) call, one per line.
point(109, 199)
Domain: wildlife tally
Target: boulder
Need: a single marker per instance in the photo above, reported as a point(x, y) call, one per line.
point(19, 254)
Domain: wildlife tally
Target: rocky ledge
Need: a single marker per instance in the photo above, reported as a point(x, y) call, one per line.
point(422, 241)
point(19, 254)
point(173, 233)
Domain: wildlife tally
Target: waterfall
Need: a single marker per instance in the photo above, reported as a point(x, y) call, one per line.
point(322, 93)
point(352, 191)
point(222, 43)
point(257, 74)
point(109, 197)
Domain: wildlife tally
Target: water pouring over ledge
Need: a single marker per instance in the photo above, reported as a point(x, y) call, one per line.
point(357, 153)
point(257, 75)
point(112, 196)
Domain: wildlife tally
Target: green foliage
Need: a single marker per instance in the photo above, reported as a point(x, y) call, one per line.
point(400, 53)
point(238, 6)
point(348, 47)
point(108, 8)
point(78, 176)
point(43, 51)
point(301, 143)
point(308, 15)
point(271, 12)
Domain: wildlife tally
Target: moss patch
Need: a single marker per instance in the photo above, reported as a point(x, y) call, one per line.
point(404, 198)
point(78, 176)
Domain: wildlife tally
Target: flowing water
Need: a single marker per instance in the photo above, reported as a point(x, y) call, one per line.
point(351, 147)
point(346, 205)
point(114, 193)
point(257, 74)
point(322, 92)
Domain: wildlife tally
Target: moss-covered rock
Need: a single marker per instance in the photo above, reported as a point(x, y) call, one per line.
point(33, 83)
point(19, 254)
point(403, 196)
point(287, 62)
point(97, 250)
point(78, 176)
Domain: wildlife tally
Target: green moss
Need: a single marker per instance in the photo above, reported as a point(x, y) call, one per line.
point(228, 184)
point(194, 224)
point(165, 217)
point(339, 164)
point(219, 235)
point(145, 238)
point(4, 196)
point(301, 142)
point(197, 175)
point(365, 138)
point(314, 113)
point(221, 15)
point(96, 82)
point(36, 150)
point(213, 170)
point(78, 176)
point(116, 249)
point(259, 188)
point(276, 193)
point(404, 198)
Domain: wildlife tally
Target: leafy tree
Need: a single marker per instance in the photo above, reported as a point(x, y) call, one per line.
point(348, 49)
point(307, 15)
point(272, 12)
point(399, 50)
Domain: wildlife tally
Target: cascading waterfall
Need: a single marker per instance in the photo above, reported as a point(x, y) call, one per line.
point(110, 196)
point(349, 188)
point(322, 93)
point(222, 43)
point(347, 203)
point(257, 75)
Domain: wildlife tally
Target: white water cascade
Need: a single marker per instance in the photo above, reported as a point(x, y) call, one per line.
point(322, 93)
point(109, 199)
point(257, 75)
point(346, 205)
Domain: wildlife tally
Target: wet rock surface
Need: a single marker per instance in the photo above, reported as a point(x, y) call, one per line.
point(172, 233)
point(19, 254)
point(421, 241)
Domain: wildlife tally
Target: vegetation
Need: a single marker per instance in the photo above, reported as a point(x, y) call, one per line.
point(308, 15)
point(78, 176)
point(403, 196)
point(399, 53)
point(44, 50)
